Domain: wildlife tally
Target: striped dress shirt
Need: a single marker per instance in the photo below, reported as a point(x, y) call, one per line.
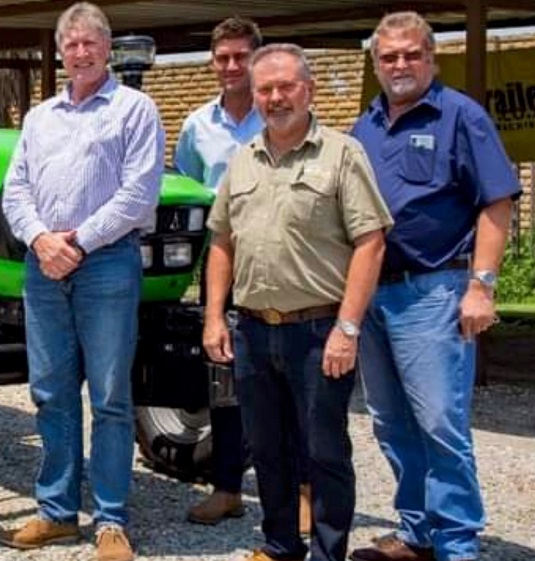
point(95, 167)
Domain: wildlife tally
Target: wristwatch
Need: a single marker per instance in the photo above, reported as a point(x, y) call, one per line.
point(486, 277)
point(78, 247)
point(348, 328)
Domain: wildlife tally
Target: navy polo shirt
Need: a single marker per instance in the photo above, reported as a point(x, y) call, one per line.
point(437, 167)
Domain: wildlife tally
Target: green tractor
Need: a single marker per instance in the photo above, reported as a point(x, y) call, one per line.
point(170, 377)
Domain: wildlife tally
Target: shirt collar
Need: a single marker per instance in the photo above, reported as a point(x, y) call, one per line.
point(432, 98)
point(313, 137)
point(105, 92)
point(221, 115)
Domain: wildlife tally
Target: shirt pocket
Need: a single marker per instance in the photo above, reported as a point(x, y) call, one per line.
point(242, 199)
point(418, 164)
point(311, 199)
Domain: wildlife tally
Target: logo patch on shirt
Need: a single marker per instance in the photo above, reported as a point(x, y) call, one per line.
point(426, 141)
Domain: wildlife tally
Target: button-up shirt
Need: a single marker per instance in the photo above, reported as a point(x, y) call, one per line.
point(293, 222)
point(94, 167)
point(209, 138)
point(438, 165)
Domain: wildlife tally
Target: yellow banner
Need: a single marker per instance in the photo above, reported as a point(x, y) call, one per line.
point(510, 96)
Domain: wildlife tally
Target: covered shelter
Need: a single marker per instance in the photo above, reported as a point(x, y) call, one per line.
point(185, 25)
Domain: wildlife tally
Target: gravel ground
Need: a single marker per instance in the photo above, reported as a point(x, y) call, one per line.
point(504, 430)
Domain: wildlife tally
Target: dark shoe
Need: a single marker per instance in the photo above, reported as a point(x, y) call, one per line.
point(217, 506)
point(305, 513)
point(113, 545)
point(390, 548)
point(39, 533)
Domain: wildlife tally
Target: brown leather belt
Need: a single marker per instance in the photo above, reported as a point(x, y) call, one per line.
point(391, 277)
point(271, 316)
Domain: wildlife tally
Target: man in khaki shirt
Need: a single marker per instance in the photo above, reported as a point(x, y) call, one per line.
point(298, 227)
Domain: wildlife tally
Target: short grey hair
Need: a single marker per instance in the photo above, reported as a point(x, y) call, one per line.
point(404, 21)
point(84, 13)
point(289, 48)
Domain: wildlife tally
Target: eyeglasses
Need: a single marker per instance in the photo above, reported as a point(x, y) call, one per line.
point(410, 57)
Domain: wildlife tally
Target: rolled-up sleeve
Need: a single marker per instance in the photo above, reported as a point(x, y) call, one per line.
point(363, 207)
point(219, 218)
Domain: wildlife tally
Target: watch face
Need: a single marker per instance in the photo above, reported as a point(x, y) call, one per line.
point(348, 328)
point(488, 278)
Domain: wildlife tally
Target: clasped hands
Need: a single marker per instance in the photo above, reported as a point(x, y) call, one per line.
point(58, 256)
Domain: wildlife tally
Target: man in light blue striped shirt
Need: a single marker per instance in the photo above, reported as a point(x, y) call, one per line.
point(84, 181)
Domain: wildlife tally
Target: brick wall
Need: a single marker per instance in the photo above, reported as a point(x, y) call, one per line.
point(180, 88)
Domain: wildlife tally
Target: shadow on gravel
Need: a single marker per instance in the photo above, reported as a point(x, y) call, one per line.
point(19, 459)
point(493, 549)
point(159, 528)
point(158, 504)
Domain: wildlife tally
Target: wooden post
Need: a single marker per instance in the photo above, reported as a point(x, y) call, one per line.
point(25, 93)
point(48, 64)
point(476, 49)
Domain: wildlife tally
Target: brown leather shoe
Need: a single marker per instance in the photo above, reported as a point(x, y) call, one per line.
point(390, 548)
point(39, 533)
point(259, 555)
point(217, 506)
point(113, 545)
point(305, 513)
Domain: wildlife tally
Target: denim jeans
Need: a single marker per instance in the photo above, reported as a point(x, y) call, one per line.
point(84, 327)
point(418, 374)
point(284, 395)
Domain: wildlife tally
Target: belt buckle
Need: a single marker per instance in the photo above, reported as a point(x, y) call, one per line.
point(272, 316)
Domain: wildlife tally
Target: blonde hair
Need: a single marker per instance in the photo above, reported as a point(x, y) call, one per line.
point(404, 21)
point(85, 13)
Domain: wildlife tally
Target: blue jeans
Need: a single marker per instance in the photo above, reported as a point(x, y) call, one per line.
point(418, 374)
point(84, 327)
point(284, 396)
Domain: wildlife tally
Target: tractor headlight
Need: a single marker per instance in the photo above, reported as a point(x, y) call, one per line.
point(177, 254)
point(146, 256)
point(196, 219)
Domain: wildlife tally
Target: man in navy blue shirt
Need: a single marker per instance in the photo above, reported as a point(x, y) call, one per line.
point(449, 185)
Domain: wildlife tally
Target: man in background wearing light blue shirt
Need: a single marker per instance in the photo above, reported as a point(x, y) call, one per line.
point(212, 133)
point(209, 137)
point(84, 181)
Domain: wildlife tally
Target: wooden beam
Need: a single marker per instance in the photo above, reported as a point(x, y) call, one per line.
point(48, 64)
point(11, 38)
point(50, 6)
point(56, 6)
point(516, 5)
point(476, 49)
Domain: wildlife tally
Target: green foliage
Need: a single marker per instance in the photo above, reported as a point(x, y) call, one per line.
point(516, 282)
